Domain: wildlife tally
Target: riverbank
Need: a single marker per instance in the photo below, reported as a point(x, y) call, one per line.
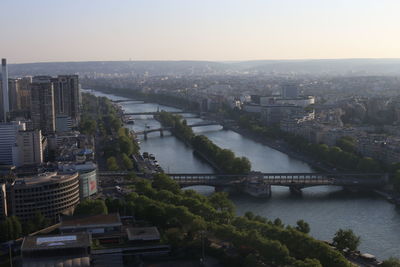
point(283, 147)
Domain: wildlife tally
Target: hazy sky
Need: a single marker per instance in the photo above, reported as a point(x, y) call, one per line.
point(80, 30)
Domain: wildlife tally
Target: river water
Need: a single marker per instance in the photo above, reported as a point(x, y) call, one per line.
point(325, 208)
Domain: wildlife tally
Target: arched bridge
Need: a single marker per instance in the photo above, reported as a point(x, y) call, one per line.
point(299, 180)
point(162, 129)
point(127, 100)
point(153, 113)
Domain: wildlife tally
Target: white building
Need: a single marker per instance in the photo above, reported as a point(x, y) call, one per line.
point(8, 139)
point(30, 148)
point(87, 177)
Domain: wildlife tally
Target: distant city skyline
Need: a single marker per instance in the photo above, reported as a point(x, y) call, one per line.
point(223, 30)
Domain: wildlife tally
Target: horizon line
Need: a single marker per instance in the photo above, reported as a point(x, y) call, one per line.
point(205, 60)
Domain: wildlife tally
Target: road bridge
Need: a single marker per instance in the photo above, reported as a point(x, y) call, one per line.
point(127, 100)
point(162, 129)
point(295, 181)
point(286, 179)
point(153, 113)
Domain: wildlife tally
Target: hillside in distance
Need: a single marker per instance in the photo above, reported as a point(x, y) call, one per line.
point(187, 68)
point(90, 68)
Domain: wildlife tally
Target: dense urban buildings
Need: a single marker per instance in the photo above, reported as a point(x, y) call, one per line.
point(37, 111)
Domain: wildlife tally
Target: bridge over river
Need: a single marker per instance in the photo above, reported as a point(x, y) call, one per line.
point(153, 113)
point(295, 181)
point(162, 129)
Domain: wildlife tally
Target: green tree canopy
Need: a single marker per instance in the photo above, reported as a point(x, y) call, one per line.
point(128, 164)
point(346, 239)
point(112, 164)
point(91, 207)
point(391, 262)
point(302, 226)
point(162, 181)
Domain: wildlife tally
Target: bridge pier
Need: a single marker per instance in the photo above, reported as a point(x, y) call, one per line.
point(218, 188)
point(145, 135)
point(161, 132)
point(295, 190)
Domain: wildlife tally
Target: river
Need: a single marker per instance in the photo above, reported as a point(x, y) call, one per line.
point(325, 208)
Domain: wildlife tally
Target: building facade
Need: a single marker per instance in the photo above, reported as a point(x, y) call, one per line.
point(8, 139)
point(67, 97)
point(5, 105)
point(30, 147)
point(87, 177)
point(42, 104)
point(51, 194)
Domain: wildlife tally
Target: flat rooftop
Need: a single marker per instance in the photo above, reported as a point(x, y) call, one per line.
point(62, 241)
point(143, 233)
point(68, 222)
point(42, 178)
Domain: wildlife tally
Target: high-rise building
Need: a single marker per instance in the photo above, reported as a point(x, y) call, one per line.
point(66, 97)
point(42, 104)
point(25, 92)
point(8, 139)
point(4, 92)
point(14, 94)
point(30, 148)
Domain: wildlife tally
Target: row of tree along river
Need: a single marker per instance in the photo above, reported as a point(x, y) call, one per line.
point(325, 208)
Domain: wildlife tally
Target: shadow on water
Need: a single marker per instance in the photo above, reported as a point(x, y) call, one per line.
point(307, 195)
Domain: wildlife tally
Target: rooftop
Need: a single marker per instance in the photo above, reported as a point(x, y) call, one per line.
point(34, 243)
point(143, 233)
point(41, 178)
point(90, 221)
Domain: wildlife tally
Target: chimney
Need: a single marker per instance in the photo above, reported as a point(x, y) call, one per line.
point(6, 103)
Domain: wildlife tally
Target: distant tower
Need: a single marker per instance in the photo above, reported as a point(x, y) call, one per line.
point(4, 77)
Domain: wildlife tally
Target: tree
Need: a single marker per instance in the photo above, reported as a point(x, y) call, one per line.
point(126, 145)
point(128, 164)
point(131, 175)
point(17, 228)
point(88, 126)
point(39, 221)
point(162, 181)
point(308, 263)
point(174, 236)
point(368, 165)
point(278, 222)
point(249, 215)
point(346, 239)
point(347, 143)
point(302, 226)
point(91, 207)
point(221, 202)
point(391, 262)
point(112, 164)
